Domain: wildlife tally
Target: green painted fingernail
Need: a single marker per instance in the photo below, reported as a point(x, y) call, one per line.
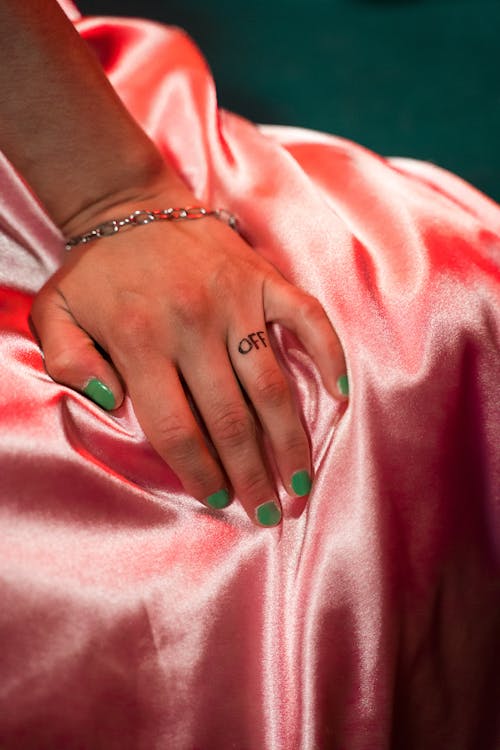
point(268, 514)
point(301, 483)
point(343, 384)
point(100, 393)
point(219, 499)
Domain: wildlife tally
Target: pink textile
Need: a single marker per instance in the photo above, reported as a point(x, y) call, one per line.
point(133, 617)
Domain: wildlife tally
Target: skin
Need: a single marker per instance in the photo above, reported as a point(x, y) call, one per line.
point(151, 297)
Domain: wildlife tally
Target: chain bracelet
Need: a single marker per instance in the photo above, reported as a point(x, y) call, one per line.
point(146, 216)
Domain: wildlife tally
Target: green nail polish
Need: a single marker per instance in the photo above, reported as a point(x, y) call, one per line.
point(268, 514)
point(343, 384)
point(219, 499)
point(100, 393)
point(301, 483)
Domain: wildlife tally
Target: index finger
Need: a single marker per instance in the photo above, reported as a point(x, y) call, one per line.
point(302, 314)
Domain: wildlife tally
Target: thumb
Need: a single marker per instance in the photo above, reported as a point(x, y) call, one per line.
point(70, 355)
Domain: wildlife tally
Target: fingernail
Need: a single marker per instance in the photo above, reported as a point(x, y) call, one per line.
point(343, 385)
point(100, 393)
point(301, 483)
point(268, 514)
point(218, 499)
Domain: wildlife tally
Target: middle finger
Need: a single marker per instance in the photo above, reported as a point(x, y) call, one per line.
point(262, 378)
point(233, 431)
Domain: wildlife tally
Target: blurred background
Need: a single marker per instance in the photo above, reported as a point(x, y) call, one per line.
point(418, 78)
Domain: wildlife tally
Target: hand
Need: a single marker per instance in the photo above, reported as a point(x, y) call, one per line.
point(183, 307)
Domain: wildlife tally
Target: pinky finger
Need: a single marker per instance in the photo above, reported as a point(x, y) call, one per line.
point(302, 314)
point(70, 355)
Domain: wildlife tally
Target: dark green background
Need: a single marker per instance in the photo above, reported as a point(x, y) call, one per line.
point(419, 78)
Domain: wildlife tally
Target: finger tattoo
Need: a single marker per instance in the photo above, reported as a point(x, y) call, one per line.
point(252, 341)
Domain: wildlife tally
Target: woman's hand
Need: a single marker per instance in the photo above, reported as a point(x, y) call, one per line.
point(169, 303)
point(182, 308)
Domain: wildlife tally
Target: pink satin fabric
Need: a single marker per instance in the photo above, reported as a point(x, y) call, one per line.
point(133, 617)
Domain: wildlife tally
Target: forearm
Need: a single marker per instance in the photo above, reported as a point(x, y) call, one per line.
point(61, 123)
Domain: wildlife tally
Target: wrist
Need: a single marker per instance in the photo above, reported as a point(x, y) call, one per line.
point(151, 183)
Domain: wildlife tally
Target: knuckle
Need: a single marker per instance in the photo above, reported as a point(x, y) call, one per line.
point(60, 366)
point(271, 387)
point(200, 483)
point(190, 310)
point(178, 441)
point(43, 304)
point(222, 280)
point(254, 486)
point(311, 309)
point(233, 426)
point(228, 280)
point(295, 443)
point(134, 327)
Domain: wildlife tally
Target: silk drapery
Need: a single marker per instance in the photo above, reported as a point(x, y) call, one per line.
point(133, 617)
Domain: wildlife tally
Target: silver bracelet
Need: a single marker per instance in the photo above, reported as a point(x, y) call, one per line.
point(146, 216)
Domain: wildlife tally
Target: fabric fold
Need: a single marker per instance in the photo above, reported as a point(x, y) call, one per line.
point(132, 616)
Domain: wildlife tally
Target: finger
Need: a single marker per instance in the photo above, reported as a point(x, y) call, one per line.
point(70, 355)
point(163, 411)
point(233, 431)
point(305, 317)
point(264, 382)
